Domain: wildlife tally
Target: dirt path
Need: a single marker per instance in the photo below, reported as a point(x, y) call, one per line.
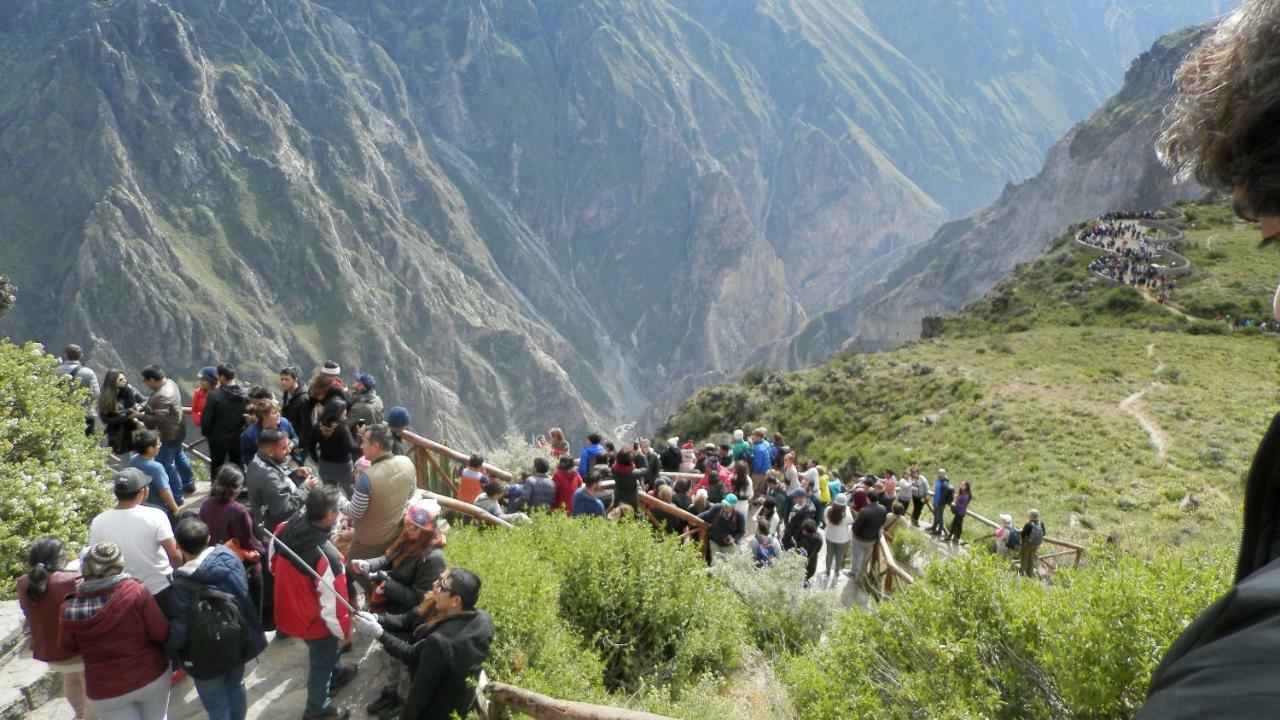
point(1135, 407)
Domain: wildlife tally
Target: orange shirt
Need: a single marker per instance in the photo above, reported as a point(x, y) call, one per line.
point(470, 484)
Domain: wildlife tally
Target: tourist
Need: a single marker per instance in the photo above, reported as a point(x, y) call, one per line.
point(688, 458)
point(308, 572)
point(958, 510)
point(668, 522)
point(276, 493)
point(725, 529)
point(40, 594)
point(1029, 544)
point(866, 534)
point(231, 524)
point(559, 444)
point(1006, 537)
point(381, 493)
point(904, 490)
point(627, 481)
point(801, 510)
point(206, 381)
point(761, 452)
point(808, 542)
point(141, 532)
point(162, 413)
point(837, 535)
point(919, 489)
point(567, 483)
point(115, 625)
point(943, 494)
point(146, 447)
point(585, 502)
point(295, 406)
point(335, 449)
point(223, 419)
point(586, 459)
point(398, 420)
point(208, 564)
point(765, 549)
point(364, 406)
point(448, 643)
point(652, 463)
point(73, 367)
point(671, 456)
point(265, 414)
point(404, 574)
point(539, 490)
point(119, 406)
point(494, 502)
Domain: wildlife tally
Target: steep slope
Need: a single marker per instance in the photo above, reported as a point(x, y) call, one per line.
point(1056, 390)
point(513, 213)
point(1106, 162)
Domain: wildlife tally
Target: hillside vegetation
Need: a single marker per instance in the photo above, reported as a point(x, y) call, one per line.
point(1024, 394)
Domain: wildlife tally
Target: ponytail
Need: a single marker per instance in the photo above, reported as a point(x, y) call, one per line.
point(43, 559)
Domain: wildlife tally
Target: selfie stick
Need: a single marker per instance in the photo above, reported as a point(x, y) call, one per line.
point(276, 542)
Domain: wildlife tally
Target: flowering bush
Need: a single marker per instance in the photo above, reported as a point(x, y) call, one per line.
point(52, 477)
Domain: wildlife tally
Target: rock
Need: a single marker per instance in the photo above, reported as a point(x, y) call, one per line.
point(1073, 520)
point(1189, 502)
point(932, 419)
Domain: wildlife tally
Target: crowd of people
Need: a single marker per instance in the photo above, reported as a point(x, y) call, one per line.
point(1131, 253)
point(314, 529)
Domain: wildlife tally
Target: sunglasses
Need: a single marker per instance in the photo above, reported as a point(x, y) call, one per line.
point(443, 584)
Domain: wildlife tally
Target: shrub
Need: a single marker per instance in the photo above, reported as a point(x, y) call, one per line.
point(515, 454)
point(586, 605)
point(52, 477)
point(974, 640)
point(785, 615)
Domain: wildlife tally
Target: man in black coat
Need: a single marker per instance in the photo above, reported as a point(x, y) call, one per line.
point(445, 650)
point(223, 420)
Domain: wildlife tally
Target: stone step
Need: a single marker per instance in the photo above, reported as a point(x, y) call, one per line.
point(26, 684)
point(12, 635)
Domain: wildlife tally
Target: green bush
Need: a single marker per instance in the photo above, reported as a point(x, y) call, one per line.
point(584, 607)
point(52, 477)
point(971, 639)
point(784, 615)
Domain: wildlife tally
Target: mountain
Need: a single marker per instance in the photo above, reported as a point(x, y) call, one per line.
point(513, 214)
point(1105, 162)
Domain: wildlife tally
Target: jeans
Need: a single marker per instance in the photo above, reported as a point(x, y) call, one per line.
point(149, 702)
point(323, 657)
point(836, 553)
point(938, 512)
point(337, 473)
point(178, 467)
point(861, 556)
point(223, 697)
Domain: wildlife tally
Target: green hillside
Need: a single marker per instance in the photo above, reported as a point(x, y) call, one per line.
point(1024, 393)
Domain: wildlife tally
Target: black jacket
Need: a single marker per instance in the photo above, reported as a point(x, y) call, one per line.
point(223, 416)
point(626, 485)
point(723, 530)
point(407, 584)
point(670, 459)
point(1225, 662)
point(869, 522)
point(444, 658)
point(795, 520)
point(296, 408)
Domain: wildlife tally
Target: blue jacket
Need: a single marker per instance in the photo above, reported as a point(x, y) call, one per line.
point(249, 438)
point(761, 457)
point(586, 504)
point(939, 487)
point(220, 568)
point(585, 458)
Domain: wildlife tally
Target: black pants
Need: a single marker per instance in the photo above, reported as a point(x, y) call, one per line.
point(267, 594)
point(917, 506)
point(222, 452)
point(957, 522)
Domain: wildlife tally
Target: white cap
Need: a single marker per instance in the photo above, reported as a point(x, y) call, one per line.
point(673, 441)
point(1006, 517)
point(737, 434)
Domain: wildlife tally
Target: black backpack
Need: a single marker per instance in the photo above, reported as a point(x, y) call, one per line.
point(218, 637)
point(948, 494)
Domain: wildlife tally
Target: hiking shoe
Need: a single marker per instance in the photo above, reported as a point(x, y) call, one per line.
point(333, 712)
point(178, 676)
point(342, 675)
point(391, 712)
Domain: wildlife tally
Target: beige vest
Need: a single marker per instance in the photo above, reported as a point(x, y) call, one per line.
point(392, 478)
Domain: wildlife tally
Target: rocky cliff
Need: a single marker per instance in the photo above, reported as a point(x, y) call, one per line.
point(1107, 162)
point(511, 213)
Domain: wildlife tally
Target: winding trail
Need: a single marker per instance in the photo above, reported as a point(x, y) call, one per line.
point(1180, 265)
point(1134, 406)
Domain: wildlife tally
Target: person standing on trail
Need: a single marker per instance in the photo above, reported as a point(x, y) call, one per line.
point(801, 510)
point(163, 413)
point(866, 534)
point(958, 510)
point(381, 493)
point(942, 497)
point(73, 367)
point(919, 488)
point(223, 420)
point(295, 406)
point(761, 459)
point(586, 459)
point(365, 407)
point(1029, 542)
point(141, 532)
point(206, 381)
point(740, 448)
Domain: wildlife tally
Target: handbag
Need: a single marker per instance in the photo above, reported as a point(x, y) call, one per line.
point(248, 557)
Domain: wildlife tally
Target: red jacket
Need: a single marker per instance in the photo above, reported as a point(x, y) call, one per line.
point(44, 616)
point(122, 642)
point(303, 607)
point(567, 481)
point(198, 400)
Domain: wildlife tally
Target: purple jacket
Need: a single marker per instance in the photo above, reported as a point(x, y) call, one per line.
point(961, 504)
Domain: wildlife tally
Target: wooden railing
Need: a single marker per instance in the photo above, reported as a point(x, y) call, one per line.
point(1069, 548)
point(543, 707)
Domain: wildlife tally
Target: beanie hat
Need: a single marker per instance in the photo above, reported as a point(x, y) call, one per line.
point(673, 441)
point(423, 513)
point(330, 368)
point(365, 379)
point(398, 417)
point(102, 560)
point(209, 373)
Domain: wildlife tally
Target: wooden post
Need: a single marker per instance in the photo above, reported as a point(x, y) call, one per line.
point(542, 707)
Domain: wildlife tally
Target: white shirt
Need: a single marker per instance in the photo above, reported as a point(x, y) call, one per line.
point(139, 531)
point(842, 533)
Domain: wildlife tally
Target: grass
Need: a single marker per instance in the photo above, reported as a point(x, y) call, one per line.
point(1021, 393)
point(1231, 275)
